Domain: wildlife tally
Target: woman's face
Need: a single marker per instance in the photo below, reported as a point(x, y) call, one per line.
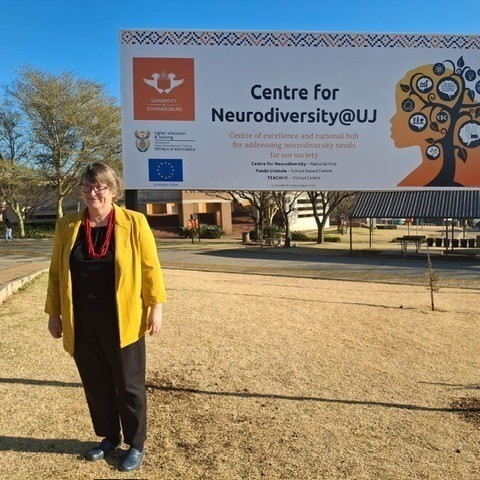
point(98, 196)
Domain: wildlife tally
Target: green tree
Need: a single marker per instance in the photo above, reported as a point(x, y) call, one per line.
point(73, 123)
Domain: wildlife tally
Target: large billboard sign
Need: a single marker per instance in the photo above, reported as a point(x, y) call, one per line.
point(219, 110)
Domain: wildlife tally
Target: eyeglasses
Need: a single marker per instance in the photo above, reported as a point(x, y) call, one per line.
point(95, 188)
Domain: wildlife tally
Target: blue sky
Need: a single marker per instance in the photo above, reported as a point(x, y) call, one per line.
point(82, 35)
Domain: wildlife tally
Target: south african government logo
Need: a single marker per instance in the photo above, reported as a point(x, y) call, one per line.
point(142, 141)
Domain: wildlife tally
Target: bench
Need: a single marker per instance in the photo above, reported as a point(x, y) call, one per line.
point(274, 241)
point(416, 240)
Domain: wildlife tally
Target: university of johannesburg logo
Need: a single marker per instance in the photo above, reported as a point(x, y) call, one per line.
point(163, 89)
point(167, 82)
point(142, 141)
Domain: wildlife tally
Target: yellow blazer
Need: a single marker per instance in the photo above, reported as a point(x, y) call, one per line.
point(138, 277)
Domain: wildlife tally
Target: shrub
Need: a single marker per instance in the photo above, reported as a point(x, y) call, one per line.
point(272, 231)
point(185, 232)
point(333, 239)
point(211, 231)
point(302, 237)
point(37, 230)
point(385, 227)
point(206, 231)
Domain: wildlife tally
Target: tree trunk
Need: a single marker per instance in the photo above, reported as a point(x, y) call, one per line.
point(320, 224)
point(321, 229)
point(446, 175)
point(286, 222)
point(342, 226)
point(287, 243)
point(270, 214)
point(21, 225)
point(321, 233)
point(261, 225)
point(59, 207)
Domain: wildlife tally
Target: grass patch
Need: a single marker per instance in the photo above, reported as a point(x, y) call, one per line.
point(258, 377)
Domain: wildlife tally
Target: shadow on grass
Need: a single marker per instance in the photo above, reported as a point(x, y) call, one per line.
point(69, 446)
point(44, 445)
point(43, 383)
point(455, 386)
point(296, 299)
point(364, 257)
point(364, 403)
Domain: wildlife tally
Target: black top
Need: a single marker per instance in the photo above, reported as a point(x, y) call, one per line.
point(93, 279)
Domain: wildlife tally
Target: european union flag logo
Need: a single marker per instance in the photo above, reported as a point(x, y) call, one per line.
point(165, 170)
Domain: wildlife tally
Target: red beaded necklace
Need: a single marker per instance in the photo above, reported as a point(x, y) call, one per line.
point(108, 237)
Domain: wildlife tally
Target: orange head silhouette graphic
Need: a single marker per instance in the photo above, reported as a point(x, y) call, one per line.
point(437, 111)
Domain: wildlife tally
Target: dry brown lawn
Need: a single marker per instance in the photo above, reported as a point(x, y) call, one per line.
point(258, 377)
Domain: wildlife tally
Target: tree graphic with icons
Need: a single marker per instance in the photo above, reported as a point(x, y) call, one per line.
point(438, 102)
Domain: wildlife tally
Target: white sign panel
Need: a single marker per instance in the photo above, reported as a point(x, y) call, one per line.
point(300, 111)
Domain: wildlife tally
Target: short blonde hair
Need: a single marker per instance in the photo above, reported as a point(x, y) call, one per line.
point(104, 175)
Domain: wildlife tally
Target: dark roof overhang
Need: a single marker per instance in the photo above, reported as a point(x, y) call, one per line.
point(456, 204)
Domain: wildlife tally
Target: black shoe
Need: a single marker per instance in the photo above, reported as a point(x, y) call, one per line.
point(104, 447)
point(133, 459)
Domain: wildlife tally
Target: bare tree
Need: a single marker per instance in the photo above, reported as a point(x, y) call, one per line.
point(260, 201)
point(286, 203)
point(342, 212)
point(323, 204)
point(19, 183)
point(271, 210)
point(73, 123)
point(432, 280)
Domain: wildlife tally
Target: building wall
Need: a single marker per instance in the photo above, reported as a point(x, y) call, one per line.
point(175, 209)
point(302, 219)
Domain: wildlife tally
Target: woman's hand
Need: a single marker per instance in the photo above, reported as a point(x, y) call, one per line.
point(154, 321)
point(55, 326)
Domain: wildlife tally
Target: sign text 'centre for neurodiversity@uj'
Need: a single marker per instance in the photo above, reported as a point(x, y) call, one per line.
point(300, 111)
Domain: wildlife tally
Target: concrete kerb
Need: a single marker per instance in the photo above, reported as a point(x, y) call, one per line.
point(8, 289)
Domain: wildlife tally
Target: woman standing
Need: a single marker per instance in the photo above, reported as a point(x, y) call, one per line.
point(105, 291)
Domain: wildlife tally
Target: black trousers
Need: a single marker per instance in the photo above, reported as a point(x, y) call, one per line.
point(113, 378)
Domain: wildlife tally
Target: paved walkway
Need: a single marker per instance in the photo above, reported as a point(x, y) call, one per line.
point(20, 263)
point(385, 267)
point(25, 258)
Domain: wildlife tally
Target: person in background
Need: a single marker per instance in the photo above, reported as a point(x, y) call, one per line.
point(105, 291)
point(8, 231)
